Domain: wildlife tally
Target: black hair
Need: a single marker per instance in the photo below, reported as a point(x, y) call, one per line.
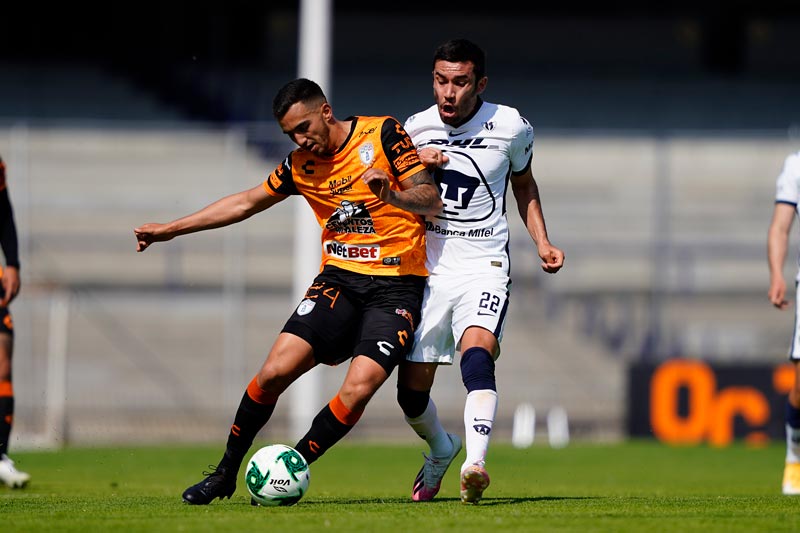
point(461, 51)
point(299, 90)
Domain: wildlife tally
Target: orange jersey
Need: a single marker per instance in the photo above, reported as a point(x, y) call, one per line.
point(360, 232)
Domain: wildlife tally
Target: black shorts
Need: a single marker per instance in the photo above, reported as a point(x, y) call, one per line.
point(345, 314)
point(6, 323)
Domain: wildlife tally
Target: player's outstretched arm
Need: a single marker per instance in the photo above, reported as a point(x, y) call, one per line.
point(418, 193)
point(777, 246)
point(223, 212)
point(526, 192)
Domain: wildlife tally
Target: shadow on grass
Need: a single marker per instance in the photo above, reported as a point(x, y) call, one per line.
point(442, 501)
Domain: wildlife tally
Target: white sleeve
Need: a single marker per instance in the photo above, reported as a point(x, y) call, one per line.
point(521, 149)
point(788, 183)
point(411, 125)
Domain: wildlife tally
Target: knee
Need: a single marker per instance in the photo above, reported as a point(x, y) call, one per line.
point(412, 402)
point(356, 395)
point(477, 370)
point(271, 381)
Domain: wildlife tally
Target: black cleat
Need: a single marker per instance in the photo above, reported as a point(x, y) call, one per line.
point(218, 483)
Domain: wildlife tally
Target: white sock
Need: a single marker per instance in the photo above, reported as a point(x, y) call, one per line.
point(792, 444)
point(479, 412)
point(428, 427)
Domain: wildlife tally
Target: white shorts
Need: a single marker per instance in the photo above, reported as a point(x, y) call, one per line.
point(450, 306)
point(794, 349)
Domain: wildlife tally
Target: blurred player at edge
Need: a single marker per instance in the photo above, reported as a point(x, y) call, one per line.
point(787, 198)
point(473, 148)
point(367, 187)
point(9, 280)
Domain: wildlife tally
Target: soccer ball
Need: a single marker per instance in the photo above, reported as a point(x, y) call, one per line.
point(277, 475)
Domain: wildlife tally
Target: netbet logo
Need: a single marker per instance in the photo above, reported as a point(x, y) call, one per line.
point(349, 252)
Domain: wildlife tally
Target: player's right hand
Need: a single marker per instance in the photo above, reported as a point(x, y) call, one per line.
point(432, 158)
point(147, 234)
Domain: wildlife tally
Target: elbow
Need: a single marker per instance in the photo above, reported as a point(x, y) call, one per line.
point(436, 207)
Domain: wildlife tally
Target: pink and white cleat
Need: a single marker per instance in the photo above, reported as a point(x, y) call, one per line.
point(429, 479)
point(474, 480)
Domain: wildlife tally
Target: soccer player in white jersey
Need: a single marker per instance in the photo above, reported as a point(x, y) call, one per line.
point(474, 148)
point(787, 199)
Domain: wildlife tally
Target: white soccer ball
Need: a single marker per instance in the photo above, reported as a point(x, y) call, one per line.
point(277, 475)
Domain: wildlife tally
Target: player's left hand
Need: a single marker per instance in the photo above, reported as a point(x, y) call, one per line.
point(777, 293)
point(10, 284)
point(552, 258)
point(378, 182)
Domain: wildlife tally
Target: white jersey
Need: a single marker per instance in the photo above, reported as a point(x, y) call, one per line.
point(471, 233)
point(788, 187)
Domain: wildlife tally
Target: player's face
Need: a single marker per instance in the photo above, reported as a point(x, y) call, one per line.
point(308, 125)
point(456, 90)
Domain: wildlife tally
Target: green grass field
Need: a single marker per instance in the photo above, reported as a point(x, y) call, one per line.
point(639, 486)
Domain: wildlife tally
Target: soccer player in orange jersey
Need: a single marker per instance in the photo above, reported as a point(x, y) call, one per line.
point(9, 287)
point(365, 183)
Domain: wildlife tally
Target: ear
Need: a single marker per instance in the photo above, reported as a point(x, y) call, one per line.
point(482, 84)
point(327, 112)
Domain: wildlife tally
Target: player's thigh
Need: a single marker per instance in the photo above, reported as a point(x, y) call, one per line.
point(483, 305)
point(433, 338)
point(385, 337)
point(386, 330)
point(327, 319)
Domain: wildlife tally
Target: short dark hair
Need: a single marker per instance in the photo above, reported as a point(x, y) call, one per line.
point(461, 51)
point(299, 90)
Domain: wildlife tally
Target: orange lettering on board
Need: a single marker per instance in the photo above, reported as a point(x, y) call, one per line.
point(668, 425)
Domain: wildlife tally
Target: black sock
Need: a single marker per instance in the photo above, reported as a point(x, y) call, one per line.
point(326, 430)
point(412, 402)
point(250, 418)
point(6, 417)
